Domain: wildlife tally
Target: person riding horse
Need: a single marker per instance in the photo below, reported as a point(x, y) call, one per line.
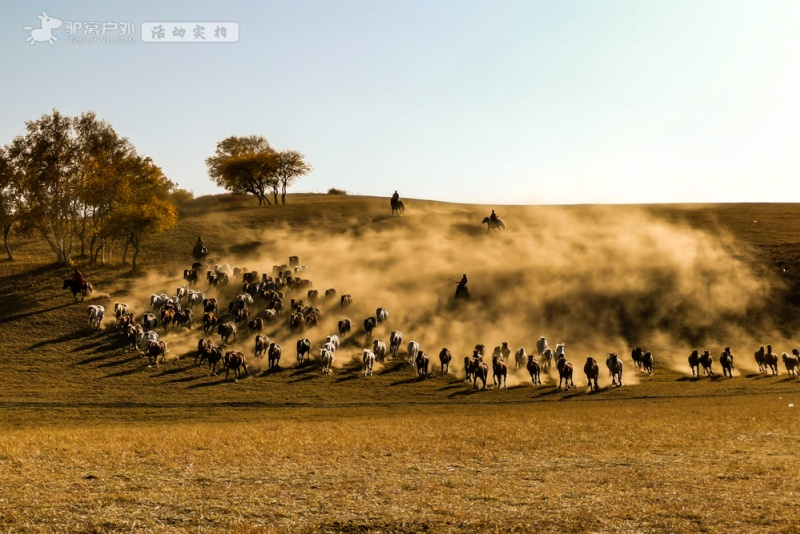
point(395, 198)
point(77, 277)
point(461, 289)
point(493, 217)
point(199, 252)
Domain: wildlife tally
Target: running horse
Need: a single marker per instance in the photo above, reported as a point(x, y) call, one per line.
point(77, 288)
point(398, 207)
point(493, 224)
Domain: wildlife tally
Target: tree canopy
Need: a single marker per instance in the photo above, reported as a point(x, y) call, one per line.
point(249, 165)
point(77, 181)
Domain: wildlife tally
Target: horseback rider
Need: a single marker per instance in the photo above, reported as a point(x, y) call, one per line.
point(493, 217)
point(463, 282)
point(199, 251)
point(78, 279)
point(395, 199)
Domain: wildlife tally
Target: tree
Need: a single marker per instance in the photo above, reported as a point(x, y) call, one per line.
point(49, 188)
point(244, 165)
point(291, 166)
point(102, 158)
point(8, 199)
point(76, 179)
point(249, 165)
point(143, 206)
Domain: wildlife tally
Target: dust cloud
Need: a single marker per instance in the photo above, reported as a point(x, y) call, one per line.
point(599, 279)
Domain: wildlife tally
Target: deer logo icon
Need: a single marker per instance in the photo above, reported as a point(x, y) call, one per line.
point(45, 33)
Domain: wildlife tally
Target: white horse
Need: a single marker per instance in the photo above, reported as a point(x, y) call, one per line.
point(369, 361)
point(379, 348)
point(158, 300)
point(195, 297)
point(413, 349)
point(395, 340)
point(96, 314)
point(541, 345)
point(327, 361)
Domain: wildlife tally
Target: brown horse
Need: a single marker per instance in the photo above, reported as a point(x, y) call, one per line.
point(499, 371)
point(592, 370)
point(444, 359)
point(614, 364)
point(706, 360)
point(77, 288)
point(479, 370)
point(694, 362)
point(759, 355)
point(726, 361)
point(234, 360)
point(564, 373)
point(535, 370)
point(771, 360)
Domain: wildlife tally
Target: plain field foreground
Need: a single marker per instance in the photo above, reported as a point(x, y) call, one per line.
point(95, 440)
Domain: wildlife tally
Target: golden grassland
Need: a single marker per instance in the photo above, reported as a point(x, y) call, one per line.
point(677, 465)
point(94, 440)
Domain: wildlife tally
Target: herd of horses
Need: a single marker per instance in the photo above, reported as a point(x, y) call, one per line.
point(305, 313)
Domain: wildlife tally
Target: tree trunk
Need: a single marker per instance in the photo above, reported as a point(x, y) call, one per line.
point(125, 252)
point(92, 250)
point(134, 241)
point(6, 230)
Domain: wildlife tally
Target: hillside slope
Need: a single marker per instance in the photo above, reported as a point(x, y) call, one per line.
point(599, 278)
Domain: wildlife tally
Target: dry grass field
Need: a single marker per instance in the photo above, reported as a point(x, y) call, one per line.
point(92, 439)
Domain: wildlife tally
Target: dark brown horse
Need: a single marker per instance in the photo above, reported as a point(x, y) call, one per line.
point(564, 373)
point(592, 370)
point(479, 370)
point(77, 288)
point(694, 362)
point(535, 370)
point(444, 359)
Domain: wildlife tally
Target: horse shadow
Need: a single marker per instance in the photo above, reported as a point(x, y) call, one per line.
point(274, 370)
point(396, 365)
point(303, 378)
point(86, 361)
point(688, 379)
point(548, 392)
point(305, 368)
point(569, 395)
point(407, 381)
point(120, 362)
point(174, 371)
point(448, 387)
point(465, 392)
point(184, 379)
point(469, 229)
point(210, 383)
point(61, 339)
point(20, 316)
point(757, 375)
point(126, 372)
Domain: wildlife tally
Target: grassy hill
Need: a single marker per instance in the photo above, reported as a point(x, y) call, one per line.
point(403, 263)
point(599, 278)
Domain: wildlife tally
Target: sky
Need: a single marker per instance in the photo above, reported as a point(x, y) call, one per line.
point(529, 102)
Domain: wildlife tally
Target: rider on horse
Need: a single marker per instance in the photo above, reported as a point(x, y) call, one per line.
point(395, 198)
point(493, 216)
point(77, 277)
point(199, 251)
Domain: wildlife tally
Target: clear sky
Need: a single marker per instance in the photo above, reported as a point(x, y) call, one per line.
point(509, 102)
